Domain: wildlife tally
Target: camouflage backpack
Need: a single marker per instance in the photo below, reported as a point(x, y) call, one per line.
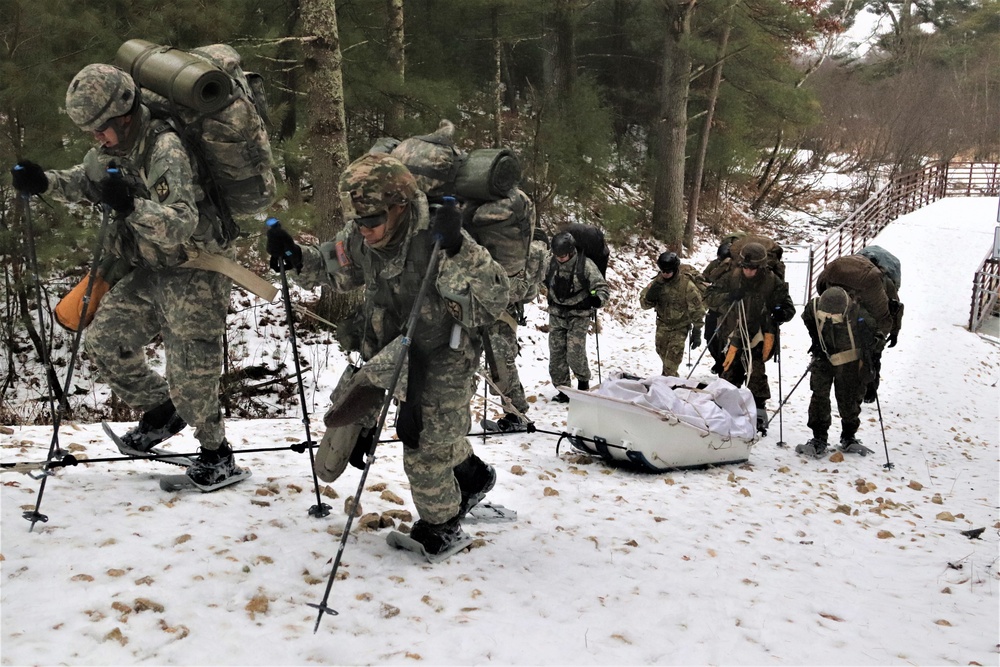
point(498, 215)
point(219, 111)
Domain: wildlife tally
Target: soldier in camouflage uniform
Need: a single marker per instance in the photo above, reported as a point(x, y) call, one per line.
point(157, 218)
point(386, 247)
point(679, 307)
point(844, 341)
point(757, 303)
point(503, 333)
point(575, 288)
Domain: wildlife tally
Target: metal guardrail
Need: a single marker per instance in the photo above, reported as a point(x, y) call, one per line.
point(985, 288)
point(904, 194)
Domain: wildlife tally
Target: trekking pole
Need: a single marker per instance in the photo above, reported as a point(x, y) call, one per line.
point(320, 509)
point(781, 419)
point(34, 515)
point(597, 337)
point(888, 465)
point(687, 340)
point(411, 326)
point(711, 338)
point(785, 400)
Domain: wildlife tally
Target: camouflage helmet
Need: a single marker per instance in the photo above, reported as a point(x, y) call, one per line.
point(753, 256)
point(563, 244)
point(669, 262)
point(99, 93)
point(373, 183)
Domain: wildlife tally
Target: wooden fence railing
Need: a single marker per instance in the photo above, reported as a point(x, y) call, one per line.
point(903, 194)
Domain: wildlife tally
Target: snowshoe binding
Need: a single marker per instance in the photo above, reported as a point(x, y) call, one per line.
point(155, 426)
point(853, 446)
point(814, 448)
point(434, 541)
point(560, 398)
point(490, 513)
point(215, 469)
point(512, 423)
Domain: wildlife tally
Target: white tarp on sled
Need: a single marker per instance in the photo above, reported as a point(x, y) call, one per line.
point(663, 422)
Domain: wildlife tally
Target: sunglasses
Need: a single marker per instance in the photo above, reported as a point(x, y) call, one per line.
point(371, 221)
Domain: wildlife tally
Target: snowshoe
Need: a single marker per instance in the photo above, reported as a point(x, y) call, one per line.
point(853, 446)
point(216, 468)
point(490, 513)
point(163, 455)
point(155, 426)
point(814, 448)
point(435, 542)
point(489, 425)
point(183, 482)
point(511, 423)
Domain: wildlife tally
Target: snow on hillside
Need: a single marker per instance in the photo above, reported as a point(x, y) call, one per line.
point(779, 561)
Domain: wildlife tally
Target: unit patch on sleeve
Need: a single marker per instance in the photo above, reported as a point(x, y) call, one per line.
point(162, 189)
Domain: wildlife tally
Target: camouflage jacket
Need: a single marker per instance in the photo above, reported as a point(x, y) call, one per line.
point(760, 296)
point(525, 286)
point(470, 288)
point(569, 285)
point(166, 222)
point(677, 302)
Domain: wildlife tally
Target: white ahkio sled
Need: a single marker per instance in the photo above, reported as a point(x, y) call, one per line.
point(663, 423)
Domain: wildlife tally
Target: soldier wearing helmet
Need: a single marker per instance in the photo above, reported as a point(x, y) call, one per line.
point(753, 302)
point(845, 339)
point(387, 247)
point(676, 299)
point(145, 180)
point(575, 289)
point(718, 267)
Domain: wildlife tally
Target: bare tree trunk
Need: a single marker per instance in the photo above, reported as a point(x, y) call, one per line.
point(699, 158)
point(397, 62)
point(565, 60)
point(497, 77)
point(287, 98)
point(327, 127)
point(671, 127)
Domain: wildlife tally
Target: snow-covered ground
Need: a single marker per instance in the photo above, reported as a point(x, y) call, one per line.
point(782, 560)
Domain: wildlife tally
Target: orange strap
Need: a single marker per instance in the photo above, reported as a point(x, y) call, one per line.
point(70, 308)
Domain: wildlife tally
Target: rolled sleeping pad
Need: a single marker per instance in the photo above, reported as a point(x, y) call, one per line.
point(180, 77)
point(487, 174)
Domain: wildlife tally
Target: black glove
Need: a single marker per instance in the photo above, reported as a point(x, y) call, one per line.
point(592, 301)
point(282, 248)
point(736, 294)
point(447, 226)
point(28, 178)
point(695, 337)
point(116, 192)
point(654, 291)
point(816, 350)
point(893, 338)
point(780, 315)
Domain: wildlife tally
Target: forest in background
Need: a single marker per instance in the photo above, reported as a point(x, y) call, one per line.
point(652, 118)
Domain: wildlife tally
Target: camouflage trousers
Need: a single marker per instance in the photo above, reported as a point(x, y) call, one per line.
point(848, 384)
point(568, 347)
point(757, 383)
point(432, 424)
point(670, 347)
point(503, 342)
point(187, 307)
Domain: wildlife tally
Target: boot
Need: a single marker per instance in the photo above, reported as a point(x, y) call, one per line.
point(437, 537)
point(213, 466)
point(155, 426)
point(583, 385)
point(511, 422)
point(851, 445)
point(475, 480)
point(560, 398)
point(814, 447)
point(762, 421)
